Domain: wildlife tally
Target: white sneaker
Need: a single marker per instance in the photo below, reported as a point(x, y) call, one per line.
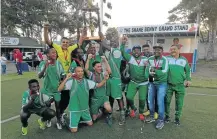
point(63, 122)
point(59, 126)
point(48, 124)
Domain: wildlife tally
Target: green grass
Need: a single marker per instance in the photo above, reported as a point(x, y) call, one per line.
point(204, 82)
point(198, 120)
point(14, 76)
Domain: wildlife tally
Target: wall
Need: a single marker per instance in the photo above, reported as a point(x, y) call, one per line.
point(187, 42)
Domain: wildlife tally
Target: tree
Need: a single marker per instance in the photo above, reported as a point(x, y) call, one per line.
point(187, 10)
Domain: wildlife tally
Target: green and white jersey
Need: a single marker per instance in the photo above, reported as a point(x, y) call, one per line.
point(179, 70)
point(79, 94)
point(137, 67)
point(72, 67)
point(52, 77)
point(160, 64)
point(41, 66)
point(114, 61)
point(98, 92)
point(38, 102)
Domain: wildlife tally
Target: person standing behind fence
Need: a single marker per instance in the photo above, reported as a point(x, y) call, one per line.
point(18, 59)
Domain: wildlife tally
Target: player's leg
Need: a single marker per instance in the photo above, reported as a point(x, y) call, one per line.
point(85, 115)
point(161, 92)
point(74, 118)
point(179, 98)
point(168, 98)
point(143, 89)
point(151, 96)
point(24, 116)
point(131, 92)
point(94, 108)
point(64, 102)
point(108, 108)
point(57, 99)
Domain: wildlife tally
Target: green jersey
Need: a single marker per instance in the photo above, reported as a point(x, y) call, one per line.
point(72, 66)
point(98, 92)
point(137, 67)
point(38, 102)
point(160, 65)
point(96, 58)
point(179, 70)
point(114, 61)
point(79, 94)
point(52, 77)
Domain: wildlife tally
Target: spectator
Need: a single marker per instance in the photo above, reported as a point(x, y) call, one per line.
point(18, 59)
point(3, 61)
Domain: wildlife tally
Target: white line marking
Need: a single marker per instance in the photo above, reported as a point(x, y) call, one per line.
point(198, 94)
point(10, 119)
point(15, 117)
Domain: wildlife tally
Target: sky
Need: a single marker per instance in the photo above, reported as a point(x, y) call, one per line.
point(140, 12)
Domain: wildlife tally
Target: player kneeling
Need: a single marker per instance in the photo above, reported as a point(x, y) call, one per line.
point(79, 97)
point(34, 102)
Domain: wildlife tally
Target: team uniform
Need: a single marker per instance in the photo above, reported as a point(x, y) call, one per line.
point(79, 100)
point(179, 72)
point(52, 79)
point(99, 98)
point(38, 106)
point(139, 79)
point(114, 83)
point(158, 86)
point(96, 58)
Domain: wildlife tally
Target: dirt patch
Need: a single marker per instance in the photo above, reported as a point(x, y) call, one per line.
point(206, 69)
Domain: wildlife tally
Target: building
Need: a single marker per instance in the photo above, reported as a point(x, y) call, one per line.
point(164, 34)
point(25, 44)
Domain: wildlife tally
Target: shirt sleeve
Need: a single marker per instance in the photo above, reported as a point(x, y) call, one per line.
point(68, 85)
point(73, 47)
point(25, 98)
point(91, 84)
point(41, 66)
point(187, 71)
point(125, 55)
point(57, 48)
point(165, 68)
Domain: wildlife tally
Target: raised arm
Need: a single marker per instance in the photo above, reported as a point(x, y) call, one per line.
point(42, 69)
point(88, 64)
point(124, 54)
point(46, 37)
point(65, 82)
point(107, 66)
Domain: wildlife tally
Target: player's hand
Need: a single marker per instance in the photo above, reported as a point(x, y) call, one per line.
point(106, 76)
point(187, 83)
point(103, 58)
point(124, 40)
point(33, 96)
point(47, 63)
point(90, 56)
point(101, 35)
point(69, 75)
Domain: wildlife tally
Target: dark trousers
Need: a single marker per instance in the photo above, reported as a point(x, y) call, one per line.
point(46, 114)
point(19, 68)
point(64, 102)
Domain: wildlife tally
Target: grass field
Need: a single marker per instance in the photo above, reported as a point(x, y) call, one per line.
point(198, 121)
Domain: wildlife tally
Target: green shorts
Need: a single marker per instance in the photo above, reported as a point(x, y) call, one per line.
point(55, 95)
point(96, 103)
point(114, 88)
point(79, 117)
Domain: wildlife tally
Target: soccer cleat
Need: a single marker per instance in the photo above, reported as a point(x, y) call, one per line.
point(167, 119)
point(141, 117)
point(24, 131)
point(155, 116)
point(160, 124)
point(146, 113)
point(48, 124)
point(177, 122)
point(132, 113)
point(59, 126)
point(41, 124)
point(150, 120)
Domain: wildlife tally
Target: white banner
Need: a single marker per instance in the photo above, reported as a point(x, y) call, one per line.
point(158, 29)
point(9, 41)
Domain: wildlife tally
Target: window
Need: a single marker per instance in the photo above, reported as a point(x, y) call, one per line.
point(161, 41)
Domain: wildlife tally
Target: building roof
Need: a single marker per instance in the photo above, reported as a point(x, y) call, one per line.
point(20, 42)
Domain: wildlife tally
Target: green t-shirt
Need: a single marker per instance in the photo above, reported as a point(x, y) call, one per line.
point(137, 67)
point(98, 92)
point(160, 65)
point(37, 104)
point(72, 67)
point(79, 94)
point(97, 58)
point(179, 70)
point(52, 77)
point(115, 62)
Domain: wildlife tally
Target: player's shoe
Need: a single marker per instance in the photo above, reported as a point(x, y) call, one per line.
point(146, 113)
point(167, 119)
point(24, 131)
point(48, 123)
point(155, 116)
point(59, 125)
point(149, 120)
point(141, 117)
point(42, 124)
point(133, 113)
point(177, 122)
point(160, 124)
